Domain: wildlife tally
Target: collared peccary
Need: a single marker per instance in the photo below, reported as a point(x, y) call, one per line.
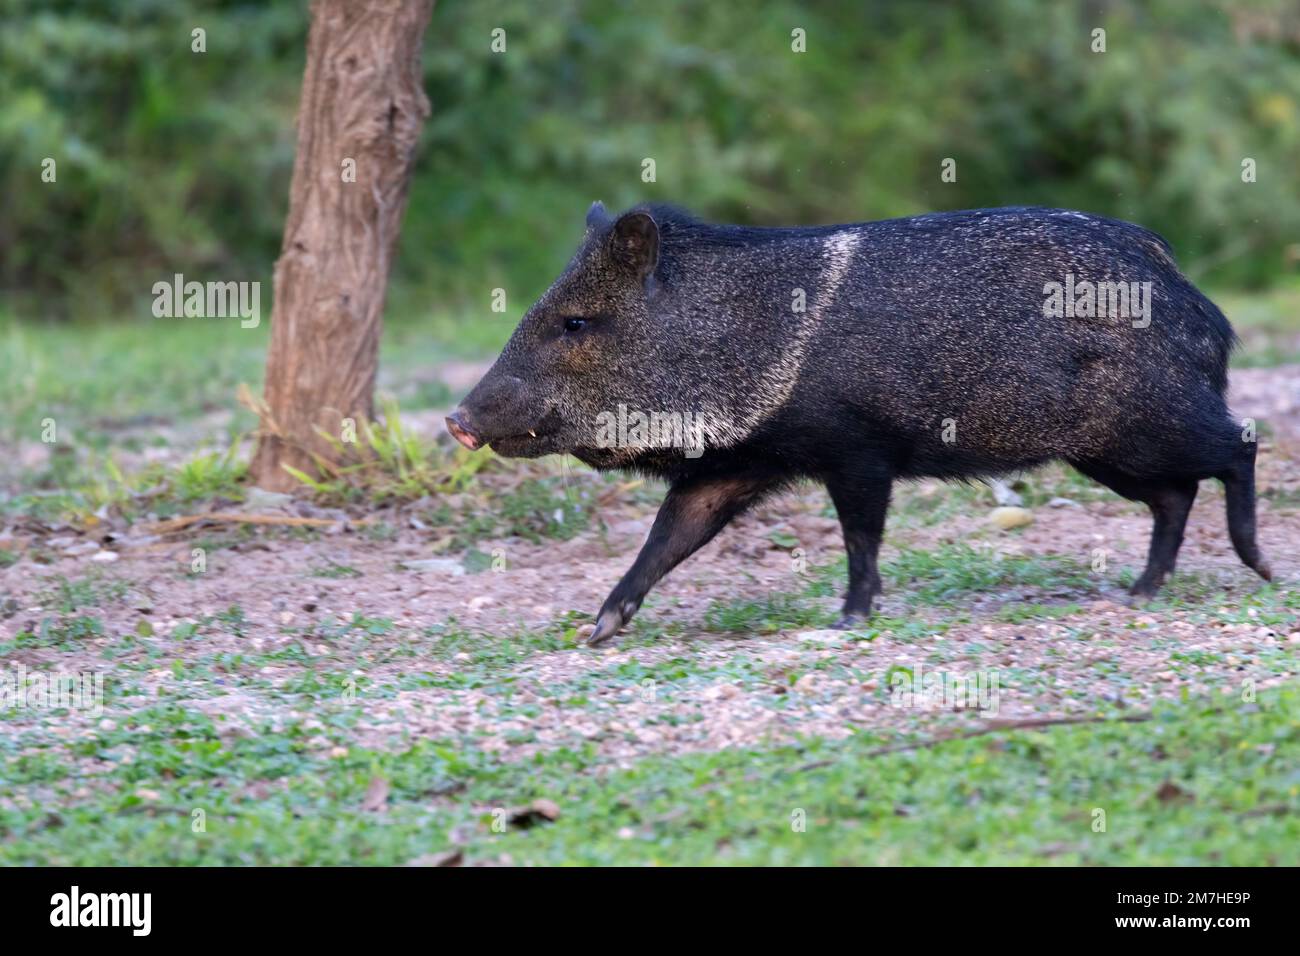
point(954, 345)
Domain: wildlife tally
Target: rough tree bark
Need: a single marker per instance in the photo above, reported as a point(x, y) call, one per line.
point(362, 100)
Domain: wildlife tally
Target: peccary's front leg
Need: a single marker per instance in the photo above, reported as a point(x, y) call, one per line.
point(692, 513)
point(861, 500)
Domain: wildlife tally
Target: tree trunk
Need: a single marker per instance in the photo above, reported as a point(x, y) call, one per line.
point(362, 101)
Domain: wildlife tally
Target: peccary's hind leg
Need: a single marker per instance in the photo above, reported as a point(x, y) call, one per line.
point(861, 500)
point(1239, 490)
point(1170, 501)
point(692, 513)
point(1170, 504)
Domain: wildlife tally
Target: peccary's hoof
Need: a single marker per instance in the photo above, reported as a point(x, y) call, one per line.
point(848, 622)
point(607, 625)
point(1143, 591)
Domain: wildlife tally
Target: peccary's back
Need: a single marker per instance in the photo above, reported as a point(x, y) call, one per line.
point(948, 332)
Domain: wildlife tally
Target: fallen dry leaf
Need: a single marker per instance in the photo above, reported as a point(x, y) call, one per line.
point(1170, 792)
point(376, 797)
point(535, 812)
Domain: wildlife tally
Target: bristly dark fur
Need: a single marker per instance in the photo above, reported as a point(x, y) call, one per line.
point(859, 354)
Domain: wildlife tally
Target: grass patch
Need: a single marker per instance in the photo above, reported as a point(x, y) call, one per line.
point(930, 503)
point(1018, 613)
point(170, 387)
point(67, 595)
point(161, 489)
point(1266, 323)
point(1195, 785)
point(388, 463)
point(778, 611)
point(951, 573)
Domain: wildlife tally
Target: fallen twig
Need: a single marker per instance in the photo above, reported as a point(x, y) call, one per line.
point(228, 517)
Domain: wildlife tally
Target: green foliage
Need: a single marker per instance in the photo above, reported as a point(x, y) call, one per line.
point(395, 465)
point(62, 631)
point(954, 572)
point(742, 128)
point(545, 508)
point(164, 155)
point(161, 488)
point(778, 611)
point(1011, 797)
point(69, 595)
point(175, 161)
point(206, 476)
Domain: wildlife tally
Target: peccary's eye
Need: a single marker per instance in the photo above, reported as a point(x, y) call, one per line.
point(573, 324)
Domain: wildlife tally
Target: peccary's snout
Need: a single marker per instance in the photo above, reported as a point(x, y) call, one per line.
point(498, 411)
point(462, 431)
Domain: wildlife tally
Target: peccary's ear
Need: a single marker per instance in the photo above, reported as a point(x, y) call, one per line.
point(634, 243)
point(596, 215)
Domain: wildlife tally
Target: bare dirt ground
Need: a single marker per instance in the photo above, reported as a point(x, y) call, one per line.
point(688, 687)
